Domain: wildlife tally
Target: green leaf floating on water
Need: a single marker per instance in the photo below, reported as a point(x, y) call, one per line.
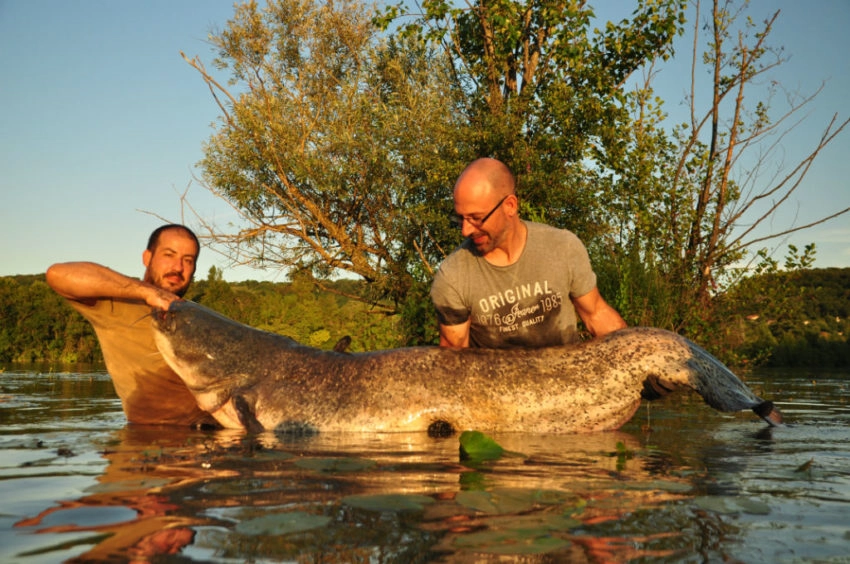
point(475, 447)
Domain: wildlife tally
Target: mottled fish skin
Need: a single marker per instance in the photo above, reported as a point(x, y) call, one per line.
point(253, 379)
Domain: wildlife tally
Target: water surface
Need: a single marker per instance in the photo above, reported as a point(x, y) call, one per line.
point(679, 483)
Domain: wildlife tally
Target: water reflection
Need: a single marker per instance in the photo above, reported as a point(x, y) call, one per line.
point(678, 483)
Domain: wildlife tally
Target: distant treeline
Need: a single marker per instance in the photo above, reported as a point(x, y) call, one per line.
point(37, 325)
point(789, 319)
point(798, 318)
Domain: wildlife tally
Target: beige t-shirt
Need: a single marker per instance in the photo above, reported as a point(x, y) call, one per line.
point(150, 391)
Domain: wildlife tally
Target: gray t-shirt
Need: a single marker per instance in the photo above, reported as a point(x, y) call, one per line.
point(525, 304)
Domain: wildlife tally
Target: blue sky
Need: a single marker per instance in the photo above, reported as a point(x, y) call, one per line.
point(102, 122)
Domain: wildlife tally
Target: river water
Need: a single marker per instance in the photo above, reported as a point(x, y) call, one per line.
point(679, 483)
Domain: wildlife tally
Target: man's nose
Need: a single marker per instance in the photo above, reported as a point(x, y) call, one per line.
point(466, 228)
point(178, 265)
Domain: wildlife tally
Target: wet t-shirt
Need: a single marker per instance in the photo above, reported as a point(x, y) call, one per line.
point(150, 392)
point(525, 304)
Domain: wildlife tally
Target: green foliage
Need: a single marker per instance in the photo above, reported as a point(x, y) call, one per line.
point(543, 90)
point(301, 310)
point(417, 318)
point(792, 317)
point(643, 295)
point(37, 325)
point(343, 139)
point(338, 146)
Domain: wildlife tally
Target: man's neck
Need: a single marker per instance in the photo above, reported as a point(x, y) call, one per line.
point(509, 251)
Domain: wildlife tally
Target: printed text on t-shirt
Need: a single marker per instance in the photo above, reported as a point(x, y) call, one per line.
point(513, 295)
point(492, 309)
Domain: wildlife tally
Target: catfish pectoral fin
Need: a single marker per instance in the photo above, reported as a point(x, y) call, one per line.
point(246, 415)
point(653, 389)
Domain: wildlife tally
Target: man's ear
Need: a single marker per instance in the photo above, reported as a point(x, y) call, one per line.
point(513, 203)
point(146, 258)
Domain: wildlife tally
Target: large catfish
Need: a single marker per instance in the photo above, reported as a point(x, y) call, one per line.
point(252, 379)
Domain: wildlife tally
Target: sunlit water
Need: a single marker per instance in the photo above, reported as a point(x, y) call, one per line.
point(679, 483)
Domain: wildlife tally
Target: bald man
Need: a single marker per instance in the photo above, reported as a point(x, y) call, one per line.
point(513, 283)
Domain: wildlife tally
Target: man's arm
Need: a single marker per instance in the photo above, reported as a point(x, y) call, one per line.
point(599, 317)
point(456, 336)
point(87, 282)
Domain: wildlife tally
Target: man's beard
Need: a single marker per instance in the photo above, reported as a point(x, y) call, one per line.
point(160, 282)
point(489, 245)
point(182, 291)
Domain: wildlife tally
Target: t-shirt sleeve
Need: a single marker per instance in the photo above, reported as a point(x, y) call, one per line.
point(447, 300)
point(583, 277)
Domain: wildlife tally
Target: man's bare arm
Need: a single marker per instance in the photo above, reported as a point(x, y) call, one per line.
point(87, 282)
point(456, 336)
point(599, 317)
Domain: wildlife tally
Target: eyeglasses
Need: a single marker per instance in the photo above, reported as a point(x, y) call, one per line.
point(459, 219)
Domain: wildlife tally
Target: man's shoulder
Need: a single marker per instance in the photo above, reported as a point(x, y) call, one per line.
point(110, 308)
point(463, 254)
point(550, 231)
point(546, 239)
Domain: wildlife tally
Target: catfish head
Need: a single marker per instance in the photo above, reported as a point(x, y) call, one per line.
point(204, 348)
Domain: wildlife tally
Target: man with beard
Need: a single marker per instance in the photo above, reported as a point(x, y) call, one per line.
point(513, 283)
point(118, 307)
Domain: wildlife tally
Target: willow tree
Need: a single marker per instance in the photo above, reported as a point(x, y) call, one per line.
point(334, 145)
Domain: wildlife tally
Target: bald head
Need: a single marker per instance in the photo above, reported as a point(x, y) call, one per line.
point(484, 179)
point(486, 209)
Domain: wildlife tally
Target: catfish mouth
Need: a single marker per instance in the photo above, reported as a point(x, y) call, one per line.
point(164, 320)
